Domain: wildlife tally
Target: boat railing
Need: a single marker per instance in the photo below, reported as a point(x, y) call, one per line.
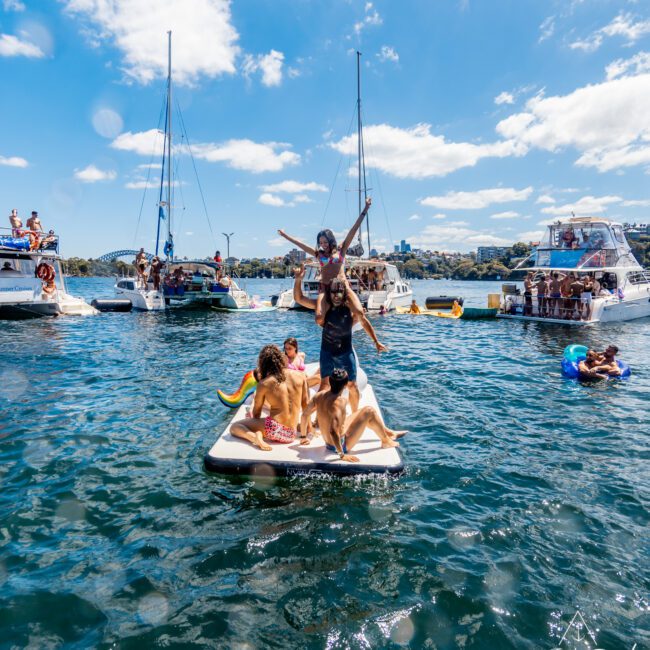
point(26, 240)
point(564, 308)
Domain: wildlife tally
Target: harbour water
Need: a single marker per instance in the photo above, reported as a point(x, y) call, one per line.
point(526, 497)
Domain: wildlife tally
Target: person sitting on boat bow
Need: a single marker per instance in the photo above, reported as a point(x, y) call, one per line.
point(286, 393)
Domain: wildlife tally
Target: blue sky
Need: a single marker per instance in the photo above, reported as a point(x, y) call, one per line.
point(483, 120)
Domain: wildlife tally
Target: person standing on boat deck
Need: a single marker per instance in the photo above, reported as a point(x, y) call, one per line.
point(156, 268)
point(567, 302)
point(35, 227)
point(577, 288)
point(555, 291)
point(336, 343)
point(16, 224)
point(542, 291)
point(141, 265)
point(528, 294)
point(586, 297)
point(286, 393)
point(331, 259)
point(341, 433)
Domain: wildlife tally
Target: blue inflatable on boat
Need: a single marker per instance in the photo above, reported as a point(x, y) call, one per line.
point(574, 354)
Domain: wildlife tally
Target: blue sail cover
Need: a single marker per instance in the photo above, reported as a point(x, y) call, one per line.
point(14, 243)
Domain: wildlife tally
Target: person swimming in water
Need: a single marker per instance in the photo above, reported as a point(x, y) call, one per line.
point(331, 259)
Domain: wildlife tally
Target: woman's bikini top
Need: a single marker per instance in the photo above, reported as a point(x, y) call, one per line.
point(324, 260)
point(299, 364)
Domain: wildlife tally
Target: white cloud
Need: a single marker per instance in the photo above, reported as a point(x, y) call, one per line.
point(293, 187)
point(415, 217)
point(269, 64)
point(545, 198)
point(504, 98)
point(248, 155)
point(439, 216)
point(547, 28)
point(530, 235)
point(273, 200)
point(642, 203)
point(476, 200)
point(302, 198)
point(150, 166)
point(585, 206)
point(637, 64)
point(451, 237)
point(607, 123)
point(388, 53)
point(417, 153)
point(93, 174)
point(13, 5)
point(144, 143)
point(372, 17)
point(13, 46)
point(13, 161)
point(623, 25)
point(204, 39)
point(277, 242)
point(141, 185)
point(505, 215)
point(239, 154)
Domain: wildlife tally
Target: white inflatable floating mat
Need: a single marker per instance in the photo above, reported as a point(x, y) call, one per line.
point(231, 455)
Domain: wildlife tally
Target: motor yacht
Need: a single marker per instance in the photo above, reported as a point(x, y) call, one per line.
point(32, 283)
point(386, 289)
point(582, 247)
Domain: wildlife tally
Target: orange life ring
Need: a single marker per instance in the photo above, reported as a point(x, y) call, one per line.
point(43, 271)
point(49, 287)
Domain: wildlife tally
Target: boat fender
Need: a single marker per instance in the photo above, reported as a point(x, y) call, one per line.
point(225, 282)
point(236, 399)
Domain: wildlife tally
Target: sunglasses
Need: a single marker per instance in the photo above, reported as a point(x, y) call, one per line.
point(337, 293)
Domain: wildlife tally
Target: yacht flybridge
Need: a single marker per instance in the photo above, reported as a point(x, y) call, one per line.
point(575, 252)
point(31, 279)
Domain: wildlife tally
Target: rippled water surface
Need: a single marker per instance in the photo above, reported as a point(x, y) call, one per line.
point(526, 496)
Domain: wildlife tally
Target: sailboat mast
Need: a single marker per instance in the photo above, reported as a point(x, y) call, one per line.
point(360, 153)
point(169, 139)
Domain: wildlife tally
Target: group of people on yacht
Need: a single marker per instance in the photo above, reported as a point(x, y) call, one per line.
point(283, 384)
point(567, 296)
point(148, 271)
point(33, 229)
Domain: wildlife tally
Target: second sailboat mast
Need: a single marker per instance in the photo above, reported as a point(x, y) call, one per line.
point(361, 154)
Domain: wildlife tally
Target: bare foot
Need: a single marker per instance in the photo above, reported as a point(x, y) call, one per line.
point(397, 434)
point(259, 442)
point(389, 443)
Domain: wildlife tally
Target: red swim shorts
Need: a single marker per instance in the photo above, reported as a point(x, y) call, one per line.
point(276, 432)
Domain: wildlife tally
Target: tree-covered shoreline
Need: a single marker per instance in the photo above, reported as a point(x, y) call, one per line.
point(414, 265)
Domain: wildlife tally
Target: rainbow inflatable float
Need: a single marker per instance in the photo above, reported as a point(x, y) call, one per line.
point(236, 399)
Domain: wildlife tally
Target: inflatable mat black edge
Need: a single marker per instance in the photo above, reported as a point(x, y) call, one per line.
point(242, 467)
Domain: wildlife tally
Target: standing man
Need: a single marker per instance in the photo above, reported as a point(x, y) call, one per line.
point(336, 345)
point(35, 227)
point(16, 224)
point(156, 267)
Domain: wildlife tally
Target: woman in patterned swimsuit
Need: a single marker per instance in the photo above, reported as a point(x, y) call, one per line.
point(331, 259)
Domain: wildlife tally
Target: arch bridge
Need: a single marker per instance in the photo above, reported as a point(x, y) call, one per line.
point(109, 257)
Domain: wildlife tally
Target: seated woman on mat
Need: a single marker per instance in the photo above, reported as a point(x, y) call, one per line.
point(296, 360)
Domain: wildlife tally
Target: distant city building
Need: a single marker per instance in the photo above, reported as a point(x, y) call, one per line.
point(396, 248)
point(297, 256)
point(487, 253)
point(404, 247)
point(232, 261)
point(373, 252)
point(636, 230)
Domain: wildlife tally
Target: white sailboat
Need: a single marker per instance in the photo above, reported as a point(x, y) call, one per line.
point(378, 283)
